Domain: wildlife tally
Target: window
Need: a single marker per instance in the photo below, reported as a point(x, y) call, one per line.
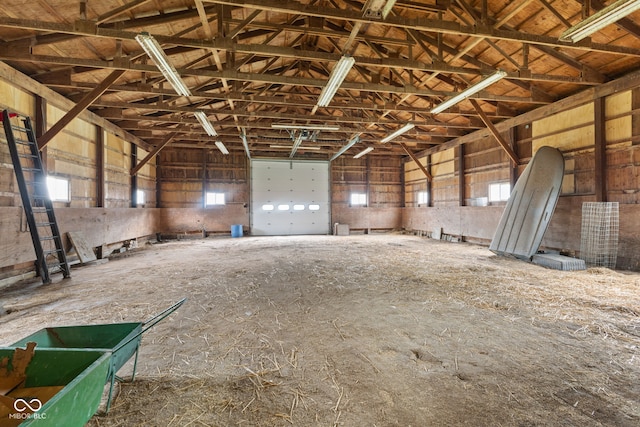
point(212, 199)
point(358, 199)
point(267, 207)
point(423, 198)
point(499, 191)
point(283, 207)
point(314, 207)
point(298, 207)
point(58, 189)
point(140, 199)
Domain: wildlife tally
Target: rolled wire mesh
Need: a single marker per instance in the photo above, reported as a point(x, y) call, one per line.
point(599, 233)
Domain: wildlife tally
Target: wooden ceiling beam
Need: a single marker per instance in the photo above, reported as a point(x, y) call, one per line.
point(429, 25)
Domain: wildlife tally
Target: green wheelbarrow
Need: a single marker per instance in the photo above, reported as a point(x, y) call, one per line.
point(120, 340)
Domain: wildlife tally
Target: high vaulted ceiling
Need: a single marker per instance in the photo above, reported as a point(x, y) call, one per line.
point(250, 64)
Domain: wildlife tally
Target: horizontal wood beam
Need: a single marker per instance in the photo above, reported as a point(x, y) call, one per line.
point(428, 25)
point(628, 82)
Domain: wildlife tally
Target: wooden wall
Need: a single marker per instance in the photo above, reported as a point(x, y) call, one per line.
point(93, 155)
point(377, 177)
point(185, 174)
point(600, 141)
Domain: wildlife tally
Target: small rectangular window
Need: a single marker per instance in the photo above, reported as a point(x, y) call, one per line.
point(298, 207)
point(58, 189)
point(213, 199)
point(140, 197)
point(283, 207)
point(358, 199)
point(314, 207)
point(267, 207)
point(499, 191)
point(423, 198)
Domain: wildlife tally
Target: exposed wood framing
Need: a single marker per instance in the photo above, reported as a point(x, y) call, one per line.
point(504, 144)
point(600, 155)
point(153, 152)
point(87, 100)
point(417, 161)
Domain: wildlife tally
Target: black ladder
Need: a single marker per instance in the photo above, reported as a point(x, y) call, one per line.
point(38, 208)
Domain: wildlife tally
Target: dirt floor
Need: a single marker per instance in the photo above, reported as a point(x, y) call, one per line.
point(369, 330)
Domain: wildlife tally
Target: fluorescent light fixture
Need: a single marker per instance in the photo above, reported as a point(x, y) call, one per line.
point(299, 148)
point(155, 52)
point(206, 124)
point(471, 90)
point(397, 133)
point(296, 143)
point(221, 147)
point(303, 127)
point(378, 8)
point(349, 144)
point(245, 144)
point(599, 20)
point(363, 152)
point(338, 74)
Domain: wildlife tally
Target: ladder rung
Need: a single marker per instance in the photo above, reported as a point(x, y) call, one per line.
point(20, 128)
point(28, 156)
point(48, 238)
point(32, 169)
point(44, 224)
point(51, 252)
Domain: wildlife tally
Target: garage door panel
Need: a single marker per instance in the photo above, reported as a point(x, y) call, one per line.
point(302, 183)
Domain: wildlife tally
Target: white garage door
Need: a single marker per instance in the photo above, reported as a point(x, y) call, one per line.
point(289, 197)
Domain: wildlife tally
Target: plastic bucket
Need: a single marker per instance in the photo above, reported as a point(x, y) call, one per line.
point(236, 230)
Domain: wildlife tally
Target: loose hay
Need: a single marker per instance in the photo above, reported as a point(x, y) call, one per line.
point(366, 330)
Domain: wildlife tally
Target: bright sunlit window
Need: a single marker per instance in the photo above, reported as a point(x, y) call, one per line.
point(499, 191)
point(423, 197)
point(358, 199)
point(298, 207)
point(58, 189)
point(267, 207)
point(213, 199)
point(140, 197)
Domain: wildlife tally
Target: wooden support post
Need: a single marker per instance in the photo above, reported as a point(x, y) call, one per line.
point(600, 151)
point(429, 183)
point(513, 170)
point(487, 122)
point(415, 159)
point(100, 181)
point(134, 177)
point(41, 126)
point(156, 150)
point(461, 176)
point(635, 117)
point(87, 100)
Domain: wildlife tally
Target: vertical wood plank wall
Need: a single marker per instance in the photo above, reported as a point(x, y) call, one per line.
point(96, 158)
point(72, 155)
point(572, 132)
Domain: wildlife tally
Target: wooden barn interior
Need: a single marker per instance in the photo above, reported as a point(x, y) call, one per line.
point(322, 180)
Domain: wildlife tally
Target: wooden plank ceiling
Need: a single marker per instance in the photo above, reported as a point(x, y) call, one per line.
point(250, 64)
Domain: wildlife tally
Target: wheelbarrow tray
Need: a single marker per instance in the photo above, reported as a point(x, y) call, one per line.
point(78, 375)
point(105, 338)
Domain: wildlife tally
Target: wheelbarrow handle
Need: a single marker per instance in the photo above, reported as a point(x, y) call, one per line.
point(164, 313)
point(151, 322)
